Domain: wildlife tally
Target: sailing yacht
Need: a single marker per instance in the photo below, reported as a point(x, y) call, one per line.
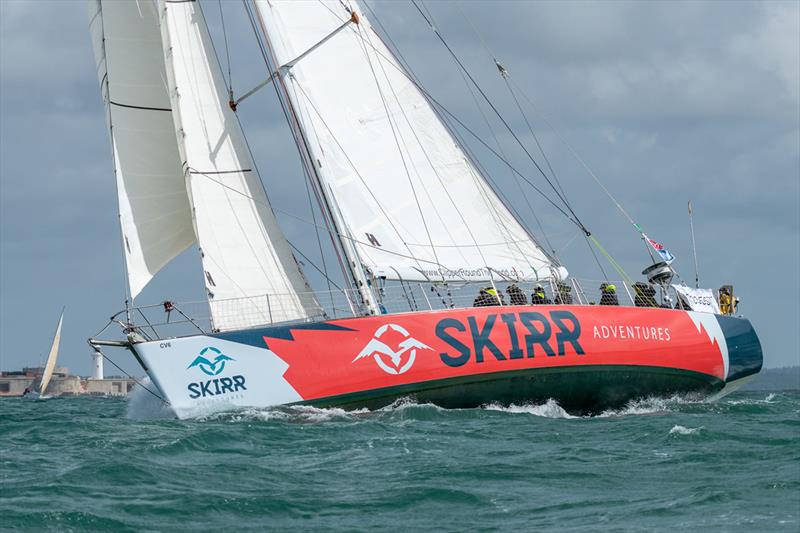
point(413, 219)
point(50, 365)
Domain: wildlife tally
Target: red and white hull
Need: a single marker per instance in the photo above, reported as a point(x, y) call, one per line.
point(588, 358)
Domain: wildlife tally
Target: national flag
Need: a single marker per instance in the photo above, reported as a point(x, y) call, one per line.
point(658, 247)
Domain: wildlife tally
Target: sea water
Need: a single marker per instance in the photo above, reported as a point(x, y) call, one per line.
point(87, 463)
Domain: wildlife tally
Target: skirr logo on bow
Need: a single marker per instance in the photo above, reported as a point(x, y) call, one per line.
point(211, 368)
point(391, 361)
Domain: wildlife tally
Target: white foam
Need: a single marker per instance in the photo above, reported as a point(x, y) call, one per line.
point(647, 406)
point(549, 409)
point(142, 405)
point(683, 430)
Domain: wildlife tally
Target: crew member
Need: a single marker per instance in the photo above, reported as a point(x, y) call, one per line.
point(487, 297)
point(645, 295)
point(516, 296)
point(726, 305)
point(564, 294)
point(608, 294)
point(539, 297)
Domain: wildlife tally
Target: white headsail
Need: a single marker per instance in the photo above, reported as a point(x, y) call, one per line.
point(51, 357)
point(250, 272)
point(153, 205)
point(413, 203)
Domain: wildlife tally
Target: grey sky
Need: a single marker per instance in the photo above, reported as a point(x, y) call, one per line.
point(666, 101)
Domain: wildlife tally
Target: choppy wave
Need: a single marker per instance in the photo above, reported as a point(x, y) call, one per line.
point(549, 409)
point(87, 463)
point(683, 430)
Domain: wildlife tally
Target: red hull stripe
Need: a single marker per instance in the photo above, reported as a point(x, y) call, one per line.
point(400, 352)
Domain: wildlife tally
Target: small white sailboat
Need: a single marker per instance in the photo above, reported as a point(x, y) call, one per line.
point(50, 365)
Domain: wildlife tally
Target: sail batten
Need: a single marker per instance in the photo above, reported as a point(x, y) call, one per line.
point(250, 273)
point(413, 203)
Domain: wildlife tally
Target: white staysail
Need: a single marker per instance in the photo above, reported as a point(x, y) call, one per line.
point(153, 205)
point(250, 272)
point(51, 357)
point(413, 203)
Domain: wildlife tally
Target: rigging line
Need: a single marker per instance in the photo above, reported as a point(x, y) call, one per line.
point(514, 176)
point(499, 115)
point(611, 260)
point(352, 165)
point(427, 158)
point(500, 148)
point(127, 293)
point(227, 51)
point(505, 75)
point(310, 262)
point(288, 284)
point(578, 158)
point(395, 136)
point(406, 71)
point(596, 259)
point(138, 382)
point(533, 133)
point(316, 232)
point(303, 150)
point(439, 105)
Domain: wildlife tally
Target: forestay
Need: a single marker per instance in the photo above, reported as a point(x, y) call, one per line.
point(153, 206)
point(250, 273)
point(414, 205)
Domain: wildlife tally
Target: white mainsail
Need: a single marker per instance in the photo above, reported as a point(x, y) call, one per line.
point(153, 205)
point(414, 205)
point(51, 357)
point(250, 272)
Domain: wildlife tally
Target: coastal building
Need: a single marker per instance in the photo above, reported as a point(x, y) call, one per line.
point(15, 383)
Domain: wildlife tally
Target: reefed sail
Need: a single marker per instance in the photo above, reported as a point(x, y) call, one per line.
point(154, 211)
point(250, 273)
point(413, 203)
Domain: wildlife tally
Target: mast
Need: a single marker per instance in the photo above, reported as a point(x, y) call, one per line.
point(327, 200)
